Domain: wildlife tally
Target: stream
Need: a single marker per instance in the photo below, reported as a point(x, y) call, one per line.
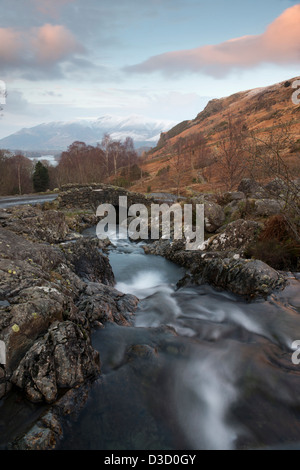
point(199, 369)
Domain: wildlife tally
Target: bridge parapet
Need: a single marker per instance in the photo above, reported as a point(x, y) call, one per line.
point(91, 196)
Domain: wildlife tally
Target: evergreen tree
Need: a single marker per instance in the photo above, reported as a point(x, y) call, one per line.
point(40, 178)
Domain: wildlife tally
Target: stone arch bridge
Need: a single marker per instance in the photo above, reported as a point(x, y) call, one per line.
point(90, 196)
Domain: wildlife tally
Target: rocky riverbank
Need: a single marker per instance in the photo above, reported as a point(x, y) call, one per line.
point(221, 261)
point(56, 286)
point(52, 292)
point(235, 223)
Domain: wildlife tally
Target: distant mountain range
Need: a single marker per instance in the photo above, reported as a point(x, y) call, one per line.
point(57, 136)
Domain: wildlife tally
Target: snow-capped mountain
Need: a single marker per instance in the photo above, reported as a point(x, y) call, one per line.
point(59, 135)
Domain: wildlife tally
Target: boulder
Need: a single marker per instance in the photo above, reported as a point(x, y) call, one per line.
point(276, 187)
point(223, 269)
point(251, 188)
point(232, 196)
point(248, 278)
point(44, 435)
point(268, 207)
point(214, 216)
point(62, 359)
point(100, 304)
point(48, 430)
point(29, 316)
point(235, 237)
point(88, 262)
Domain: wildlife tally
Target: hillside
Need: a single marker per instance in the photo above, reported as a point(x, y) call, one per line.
point(191, 151)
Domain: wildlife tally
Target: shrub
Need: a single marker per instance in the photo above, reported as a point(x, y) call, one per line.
point(276, 245)
point(163, 171)
point(282, 256)
point(122, 182)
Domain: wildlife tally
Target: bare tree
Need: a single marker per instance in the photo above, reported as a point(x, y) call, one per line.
point(19, 174)
point(130, 155)
point(177, 162)
point(267, 159)
point(105, 146)
point(231, 153)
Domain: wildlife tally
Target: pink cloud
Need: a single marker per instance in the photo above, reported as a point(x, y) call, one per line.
point(45, 46)
point(279, 44)
point(10, 41)
point(53, 43)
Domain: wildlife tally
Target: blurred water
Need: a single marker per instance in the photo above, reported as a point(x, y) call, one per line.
point(200, 369)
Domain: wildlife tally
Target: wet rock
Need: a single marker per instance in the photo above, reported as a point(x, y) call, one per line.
point(160, 247)
point(88, 262)
point(3, 382)
point(142, 351)
point(48, 431)
point(63, 358)
point(30, 317)
point(248, 278)
point(39, 437)
point(101, 304)
point(223, 269)
point(40, 285)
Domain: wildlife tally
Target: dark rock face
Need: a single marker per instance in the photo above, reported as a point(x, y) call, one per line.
point(101, 304)
point(63, 358)
point(88, 263)
point(50, 297)
point(46, 433)
point(248, 278)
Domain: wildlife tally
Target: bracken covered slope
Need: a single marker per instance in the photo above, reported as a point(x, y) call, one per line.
point(262, 111)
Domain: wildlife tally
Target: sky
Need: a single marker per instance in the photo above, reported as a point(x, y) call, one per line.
point(63, 60)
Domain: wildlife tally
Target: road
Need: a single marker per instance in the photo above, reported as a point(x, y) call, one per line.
point(9, 201)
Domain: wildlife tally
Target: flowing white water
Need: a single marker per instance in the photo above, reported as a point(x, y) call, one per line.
point(206, 370)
